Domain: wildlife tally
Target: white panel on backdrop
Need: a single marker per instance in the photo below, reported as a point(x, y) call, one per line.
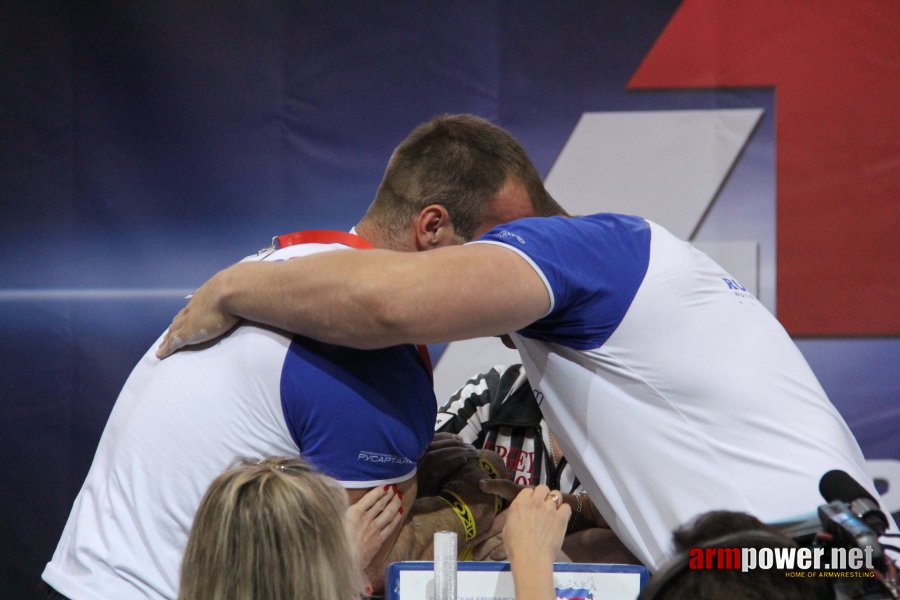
point(887, 471)
point(666, 166)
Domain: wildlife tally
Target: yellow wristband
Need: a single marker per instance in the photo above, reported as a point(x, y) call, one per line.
point(462, 511)
point(488, 468)
point(491, 472)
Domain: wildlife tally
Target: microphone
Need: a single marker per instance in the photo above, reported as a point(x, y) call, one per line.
point(838, 485)
point(852, 515)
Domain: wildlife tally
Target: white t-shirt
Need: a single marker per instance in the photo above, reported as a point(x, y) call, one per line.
point(671, 389)
point(362, 417)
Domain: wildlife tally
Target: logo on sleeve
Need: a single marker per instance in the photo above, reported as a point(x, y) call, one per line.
point(378, 457)
point(505, 234)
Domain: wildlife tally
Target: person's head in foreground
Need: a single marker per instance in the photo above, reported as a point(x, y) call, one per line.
point(271, 530)
point(727, 529)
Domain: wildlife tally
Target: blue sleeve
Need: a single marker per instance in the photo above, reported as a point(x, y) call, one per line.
point(592, 266)
point(364, 417)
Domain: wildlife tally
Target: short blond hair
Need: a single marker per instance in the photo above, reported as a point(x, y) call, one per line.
point(270, 529)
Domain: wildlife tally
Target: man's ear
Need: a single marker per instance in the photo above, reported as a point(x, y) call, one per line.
point(434, 228)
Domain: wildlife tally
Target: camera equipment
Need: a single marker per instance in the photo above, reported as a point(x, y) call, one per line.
point(851, 518)
point(838, 485)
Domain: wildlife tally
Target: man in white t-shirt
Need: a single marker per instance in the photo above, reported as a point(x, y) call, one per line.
point(671, 389)
point(362, 417)
point(496, 410)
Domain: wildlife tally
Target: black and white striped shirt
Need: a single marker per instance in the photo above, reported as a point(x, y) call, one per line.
point(496, 410)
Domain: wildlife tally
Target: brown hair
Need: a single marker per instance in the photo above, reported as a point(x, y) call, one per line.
point(270, 530)
point(460, 162)
point(728, 530)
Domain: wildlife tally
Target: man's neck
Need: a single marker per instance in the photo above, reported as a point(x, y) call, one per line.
point(380, 239)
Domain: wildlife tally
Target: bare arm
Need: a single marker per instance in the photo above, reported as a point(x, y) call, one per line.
point(428, 516)
point(371, 299)
point(371, 521)
point(432, 514)
point(414, 540)
point(533, 535)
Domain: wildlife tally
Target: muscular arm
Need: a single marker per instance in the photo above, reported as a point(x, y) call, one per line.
point(428, 516)
point(371, 299)
point(416, 538)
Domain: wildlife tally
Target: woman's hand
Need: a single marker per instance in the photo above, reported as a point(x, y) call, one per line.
point(372, 519)
point(534, 532)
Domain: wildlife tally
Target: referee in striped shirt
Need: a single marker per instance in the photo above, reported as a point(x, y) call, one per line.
point(496, 410)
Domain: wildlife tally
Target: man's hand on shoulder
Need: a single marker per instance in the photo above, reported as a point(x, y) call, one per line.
point(203, 319)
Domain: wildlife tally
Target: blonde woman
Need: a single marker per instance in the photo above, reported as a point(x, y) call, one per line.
point(277, 529)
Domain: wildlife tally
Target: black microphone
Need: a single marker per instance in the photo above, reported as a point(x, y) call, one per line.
point(838, 485)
